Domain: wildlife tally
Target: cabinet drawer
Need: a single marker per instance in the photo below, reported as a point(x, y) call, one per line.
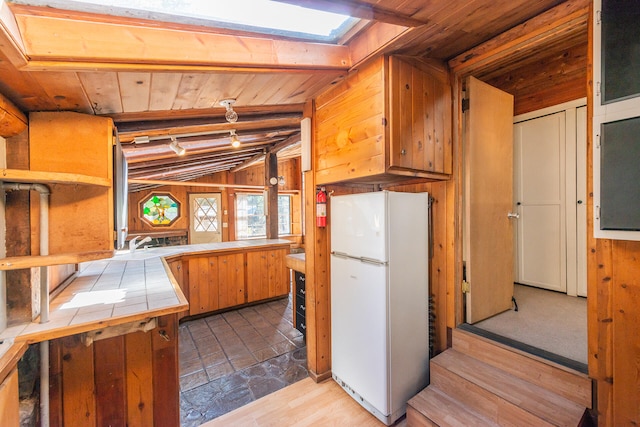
point(301, 324)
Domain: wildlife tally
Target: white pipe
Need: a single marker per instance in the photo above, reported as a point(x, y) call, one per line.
point(44, 292)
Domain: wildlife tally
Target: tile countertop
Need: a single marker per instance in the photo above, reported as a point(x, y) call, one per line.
point(296, 262)
point(129, 287)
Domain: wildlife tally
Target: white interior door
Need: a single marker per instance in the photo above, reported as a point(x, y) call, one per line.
point(205, 225)
point(539, 178)
point(550, 161)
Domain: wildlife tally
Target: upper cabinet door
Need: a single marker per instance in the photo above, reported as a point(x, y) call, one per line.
point(419, 116)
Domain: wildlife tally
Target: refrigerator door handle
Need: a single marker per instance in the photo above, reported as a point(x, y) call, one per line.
point(340, 254)
point(372, 261)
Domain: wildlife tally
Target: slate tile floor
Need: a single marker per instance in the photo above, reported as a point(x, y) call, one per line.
point(230, 359)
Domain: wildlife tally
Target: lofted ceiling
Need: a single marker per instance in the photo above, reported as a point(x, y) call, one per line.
point(167, 79)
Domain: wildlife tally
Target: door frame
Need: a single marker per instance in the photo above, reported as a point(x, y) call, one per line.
point(577, 151)
point(190, 196)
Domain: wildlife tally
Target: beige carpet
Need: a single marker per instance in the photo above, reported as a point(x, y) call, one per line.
point(547, 320)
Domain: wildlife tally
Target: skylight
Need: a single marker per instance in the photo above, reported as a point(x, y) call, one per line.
point(261, 16)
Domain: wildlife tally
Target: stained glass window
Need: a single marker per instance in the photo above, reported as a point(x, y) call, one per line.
point(160, 209)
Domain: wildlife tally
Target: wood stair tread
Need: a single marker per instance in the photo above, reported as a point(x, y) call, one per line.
point(444, 410)
point(536, 400)
point(561, 380)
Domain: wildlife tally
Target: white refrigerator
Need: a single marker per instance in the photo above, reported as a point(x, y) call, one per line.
point(380, 298)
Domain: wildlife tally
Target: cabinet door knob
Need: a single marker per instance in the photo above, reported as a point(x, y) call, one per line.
point(403, 151)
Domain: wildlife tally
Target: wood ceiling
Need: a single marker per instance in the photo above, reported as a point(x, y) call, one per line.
point(159, 79)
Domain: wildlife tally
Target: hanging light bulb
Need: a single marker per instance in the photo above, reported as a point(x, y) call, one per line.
point(230, 115)
point(177, 148)
point(235, 141)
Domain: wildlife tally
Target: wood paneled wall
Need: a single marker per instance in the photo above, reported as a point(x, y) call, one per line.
point(181, 194)
point(613, 317)
point(613, 266)
point(18, 237)
point(288, 168)
point(551, 80)
point(126, 380)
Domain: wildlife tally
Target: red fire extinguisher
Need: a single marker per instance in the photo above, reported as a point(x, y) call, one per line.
point(321, 208)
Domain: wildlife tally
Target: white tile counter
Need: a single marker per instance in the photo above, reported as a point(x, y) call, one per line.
point(127, 288)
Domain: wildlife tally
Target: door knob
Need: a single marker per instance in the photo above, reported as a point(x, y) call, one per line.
point(515, 215)
point(579, 202)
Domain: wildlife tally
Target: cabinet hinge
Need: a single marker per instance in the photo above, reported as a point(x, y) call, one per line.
point(465, 105)
point(466, 287)
point(384, 121)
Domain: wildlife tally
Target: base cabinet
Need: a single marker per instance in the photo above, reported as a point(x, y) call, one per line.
point(231, 278)
point(129, 380)
point(267, 275)
point(300, 303)
point(215, 283)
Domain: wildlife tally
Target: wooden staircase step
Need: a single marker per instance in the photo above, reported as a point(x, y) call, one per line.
point(558, 379)
point(432, 407)
point(500, 396)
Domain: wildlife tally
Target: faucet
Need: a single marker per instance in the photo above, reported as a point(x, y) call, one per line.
point(133, 245)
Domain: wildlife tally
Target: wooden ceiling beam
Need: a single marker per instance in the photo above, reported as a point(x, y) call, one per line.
point(256, 111)
point(240, 126)
point(179, 166)
point(358, 9)
point(293, 139)
point(558, 23)
point(79, 42)
point(219, 166)
point(207, 157)
point(12, 120)
point(132, 158)
point(193, 184)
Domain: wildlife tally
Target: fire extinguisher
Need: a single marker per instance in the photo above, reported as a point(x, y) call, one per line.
point(321, 208)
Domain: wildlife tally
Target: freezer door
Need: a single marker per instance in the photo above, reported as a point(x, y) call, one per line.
point(358, 225)
point(359, 329)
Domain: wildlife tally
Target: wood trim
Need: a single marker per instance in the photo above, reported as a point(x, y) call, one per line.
point(10, 358)
point(35, 177)
point(556, 24)
point(20, 262)
point(12, 120)
point(205, 129)
point(359, 10)
point(373, 41)
point(124, 45)
point(193, 184)
point(10, 36)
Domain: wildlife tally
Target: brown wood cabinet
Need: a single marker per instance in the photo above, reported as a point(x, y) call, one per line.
point(231, 277)
point(9, 404)
point(388, 120)
point(215, 282)
point(267, 275)
point(129, 379)
point(177, 269)
point(81, 217)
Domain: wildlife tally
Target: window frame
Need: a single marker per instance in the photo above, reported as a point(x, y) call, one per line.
point(604, 113)
point(149, 196)
point(261, 236)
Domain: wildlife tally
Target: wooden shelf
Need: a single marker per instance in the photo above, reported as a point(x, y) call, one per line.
point(37, 177)
point(20, 262)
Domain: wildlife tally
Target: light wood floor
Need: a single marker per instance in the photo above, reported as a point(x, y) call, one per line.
point(304, 403)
